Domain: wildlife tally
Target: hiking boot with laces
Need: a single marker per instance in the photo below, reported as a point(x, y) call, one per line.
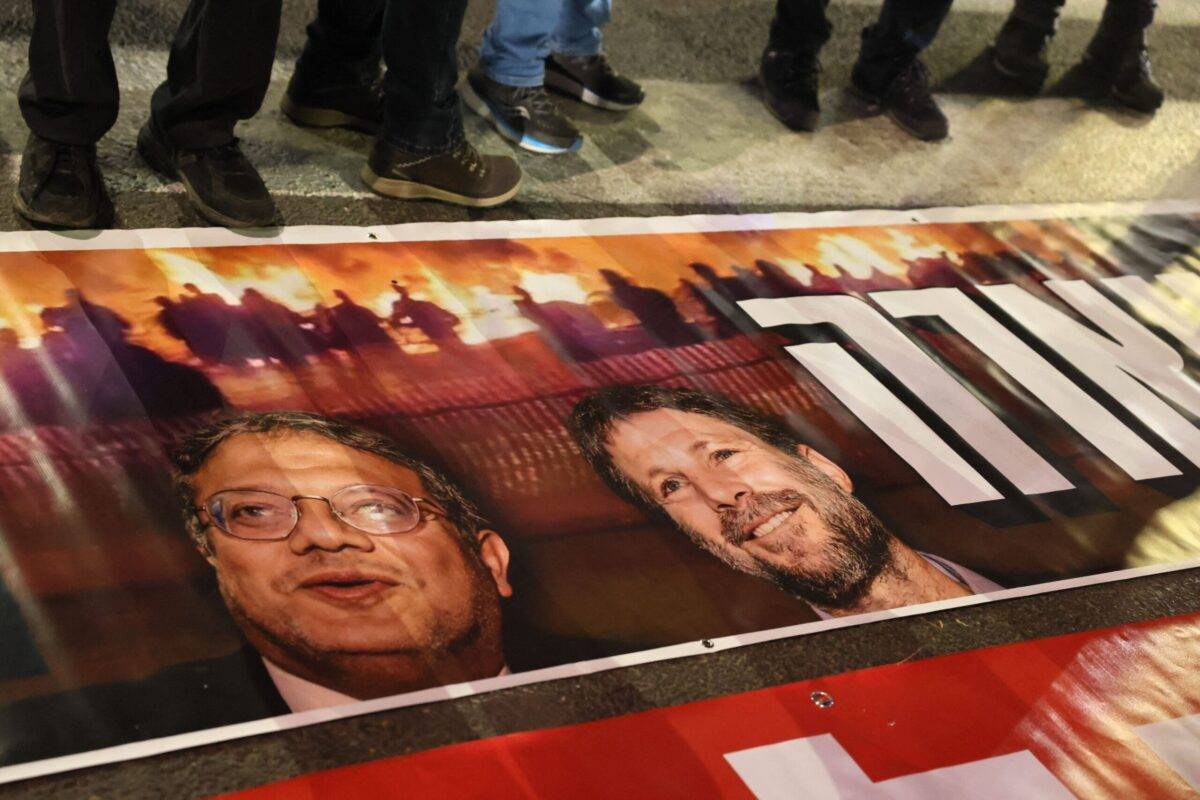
point(592, 80)
point(221, 183)
point(60, 186)
point(908, 101)
point(1020, 54)
point(522, 114)
point(460, 175)
point(1126, 74)
point(354, 101)
point(790, 86)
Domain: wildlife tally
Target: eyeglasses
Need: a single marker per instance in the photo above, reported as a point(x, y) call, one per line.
point(266, 516)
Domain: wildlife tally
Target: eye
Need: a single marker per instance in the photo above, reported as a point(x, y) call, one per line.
point(376, 510)
point(723, 453)
point(251, 512)
point(670, 485)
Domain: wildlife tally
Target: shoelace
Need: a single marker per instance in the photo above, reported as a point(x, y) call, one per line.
point(536, 99)
point(466, 154)
point(913, 85)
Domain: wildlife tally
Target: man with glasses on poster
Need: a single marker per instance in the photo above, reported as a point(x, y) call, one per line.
point(353, 569)
point(743, 487)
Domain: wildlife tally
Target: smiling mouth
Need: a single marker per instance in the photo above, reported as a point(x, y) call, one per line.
point(771, 524)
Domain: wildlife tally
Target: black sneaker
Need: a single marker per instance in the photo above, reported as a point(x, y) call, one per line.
point(357, 104)
point(592, 80)
point(1019, 54)
point(522, 114)
point(221, 183)
point(790, 86)
point(461, 176)
point(1127, 76)
point(60, 186)
point(908, 101)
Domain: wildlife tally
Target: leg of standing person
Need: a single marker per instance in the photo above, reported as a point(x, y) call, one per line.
point(889, 73)
point(338, 79)
point(1118, 57)
point(1020, 49)
point(507, 87)
point(217, 75)
point(788, 71)
point(69, 100)
point(578, 66)
point(421, 150)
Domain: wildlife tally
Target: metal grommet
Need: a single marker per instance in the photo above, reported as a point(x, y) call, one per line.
point(821, 699)
point(708, 643)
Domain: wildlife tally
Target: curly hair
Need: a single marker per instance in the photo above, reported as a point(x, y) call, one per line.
point(191, 453)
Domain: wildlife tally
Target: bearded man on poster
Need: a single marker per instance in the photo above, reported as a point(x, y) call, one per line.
point(744, 488)
point(353, 569)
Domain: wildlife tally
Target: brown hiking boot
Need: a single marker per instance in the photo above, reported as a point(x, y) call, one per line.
point(461, 176)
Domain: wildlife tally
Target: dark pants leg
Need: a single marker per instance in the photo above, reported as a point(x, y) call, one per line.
point(218, 70)
point(1040, 14)
point(1125, 21)
point(343, 42)
point(69, 94)
point(800, 26)
point(903, 30)
point(422, 113)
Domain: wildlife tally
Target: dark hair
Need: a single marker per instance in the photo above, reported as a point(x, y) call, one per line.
point(193, 452)
point(594, 417)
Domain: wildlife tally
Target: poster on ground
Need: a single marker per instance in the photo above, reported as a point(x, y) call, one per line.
point(1111, 713)
point(249, 483)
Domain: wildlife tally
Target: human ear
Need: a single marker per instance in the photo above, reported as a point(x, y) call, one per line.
point(494, 554)
point(832, 470)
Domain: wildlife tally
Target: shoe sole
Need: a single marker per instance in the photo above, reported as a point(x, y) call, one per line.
point(480, 106)
point(876, 107)
point(312, 117)
point(809, 124)
point(577, 91)
point(411, 190)
point(1032, 84)
point(153, 153)
point(103, 218)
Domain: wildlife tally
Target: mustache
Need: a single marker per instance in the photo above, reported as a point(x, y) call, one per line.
point(736, 523)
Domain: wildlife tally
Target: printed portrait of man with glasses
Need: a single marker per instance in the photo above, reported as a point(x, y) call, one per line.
point(353, 569)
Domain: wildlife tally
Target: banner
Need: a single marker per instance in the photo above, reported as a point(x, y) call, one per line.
point(1103, 714)
point(255, 483)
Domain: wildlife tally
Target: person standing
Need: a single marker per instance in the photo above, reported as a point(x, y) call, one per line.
point(533, 45)
point(217, 73)
point(420, 151)
point(1117, 57)
point(888, 75)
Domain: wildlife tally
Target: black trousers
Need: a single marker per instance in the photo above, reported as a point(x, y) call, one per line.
point(889, 46)
point(217, 73)
point(417, 41)
point(1132, 16)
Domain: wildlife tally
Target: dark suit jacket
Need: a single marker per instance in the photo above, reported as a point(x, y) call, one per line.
point(179, 699)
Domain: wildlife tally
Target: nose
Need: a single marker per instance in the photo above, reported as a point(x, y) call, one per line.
point(319, 529)
point(723, 490)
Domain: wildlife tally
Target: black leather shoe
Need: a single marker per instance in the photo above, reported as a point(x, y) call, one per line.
point(357, 104)
point(1019, 54)
point(60, 186)
point(908, 101)
point(1127, 75)
point(221, 183)
point(790, 86)
point(592, 80)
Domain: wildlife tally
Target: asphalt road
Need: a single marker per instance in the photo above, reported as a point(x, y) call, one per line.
point(702, 142)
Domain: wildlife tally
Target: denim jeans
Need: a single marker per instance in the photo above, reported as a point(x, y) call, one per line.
point(903, 30)
point(524, 32)
point(417, 40)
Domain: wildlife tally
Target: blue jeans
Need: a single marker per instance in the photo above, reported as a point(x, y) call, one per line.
point(524, 32)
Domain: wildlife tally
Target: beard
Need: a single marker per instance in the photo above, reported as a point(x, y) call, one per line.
point(839, 575)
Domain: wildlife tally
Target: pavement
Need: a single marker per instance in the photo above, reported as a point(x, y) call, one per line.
point(702, 142)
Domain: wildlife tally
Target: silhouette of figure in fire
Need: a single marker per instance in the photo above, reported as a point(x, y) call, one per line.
point(277, 329)
point(349, 325)
point(570, 328)
point(428, 317)
point(658, 315)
